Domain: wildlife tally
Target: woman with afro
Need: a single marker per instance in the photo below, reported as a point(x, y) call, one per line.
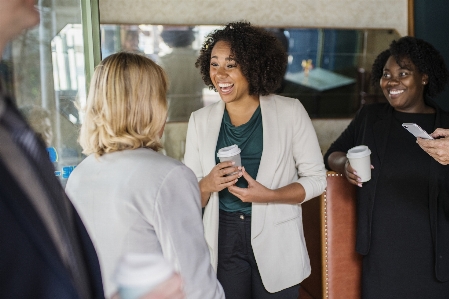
point(252, 216)
point(403, 211)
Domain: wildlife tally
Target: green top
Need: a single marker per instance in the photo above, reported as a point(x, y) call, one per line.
point(249, 138)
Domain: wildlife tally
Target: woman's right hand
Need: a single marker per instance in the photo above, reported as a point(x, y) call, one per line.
point(351, 174)
point(340, 163)
point(218, 179)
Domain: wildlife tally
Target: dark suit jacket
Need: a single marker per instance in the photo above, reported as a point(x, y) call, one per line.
point(370, 127)
point(30, 266)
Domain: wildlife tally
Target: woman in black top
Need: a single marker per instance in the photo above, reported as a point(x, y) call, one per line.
point(403, 226)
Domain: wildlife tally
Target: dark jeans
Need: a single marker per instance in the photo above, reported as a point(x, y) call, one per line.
point(237, 268)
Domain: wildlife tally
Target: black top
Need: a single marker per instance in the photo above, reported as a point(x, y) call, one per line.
point(400, 263)
point(379, 127)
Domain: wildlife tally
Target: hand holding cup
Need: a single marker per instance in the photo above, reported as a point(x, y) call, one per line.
point(230, 153)
point(222, 175)
point(360, 161)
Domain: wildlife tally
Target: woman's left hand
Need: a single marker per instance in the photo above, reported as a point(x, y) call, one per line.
point(255, 192)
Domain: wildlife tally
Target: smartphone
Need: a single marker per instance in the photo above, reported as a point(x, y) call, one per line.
point(416, 130)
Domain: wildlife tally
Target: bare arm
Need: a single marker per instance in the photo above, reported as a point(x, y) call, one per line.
point(337, 161)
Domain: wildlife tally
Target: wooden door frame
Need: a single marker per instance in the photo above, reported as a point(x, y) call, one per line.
point(411, 18)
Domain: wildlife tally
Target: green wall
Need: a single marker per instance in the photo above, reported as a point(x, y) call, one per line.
point(432, 25)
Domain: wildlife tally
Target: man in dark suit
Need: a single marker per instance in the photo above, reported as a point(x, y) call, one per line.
point(45, 251)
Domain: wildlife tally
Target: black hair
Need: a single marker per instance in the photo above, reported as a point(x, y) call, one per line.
point(259, 54)
point(426, 59)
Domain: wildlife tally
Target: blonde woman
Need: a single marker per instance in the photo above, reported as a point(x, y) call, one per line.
point(132, 198)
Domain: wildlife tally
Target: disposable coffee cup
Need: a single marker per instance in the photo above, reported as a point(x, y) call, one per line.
point(360, 160)
point(138, 274)
point(230, 153)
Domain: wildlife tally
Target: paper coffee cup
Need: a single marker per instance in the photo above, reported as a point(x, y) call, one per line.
point(230, 153)
point(138, 274)
point(360, 160)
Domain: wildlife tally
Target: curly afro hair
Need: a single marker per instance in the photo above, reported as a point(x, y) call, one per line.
point(259, 54)
point(423, 55)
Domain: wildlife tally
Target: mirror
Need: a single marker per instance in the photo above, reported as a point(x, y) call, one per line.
point(328, 69)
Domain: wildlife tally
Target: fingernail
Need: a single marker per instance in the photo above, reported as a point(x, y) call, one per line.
point(360, 185)
point(359, 179)
point(355, 172)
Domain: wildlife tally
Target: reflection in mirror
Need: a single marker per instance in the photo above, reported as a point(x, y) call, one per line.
point(68, 71)
point(69, 88)
point(328, 69)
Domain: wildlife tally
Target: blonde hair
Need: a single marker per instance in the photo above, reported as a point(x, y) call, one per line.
point(126, 106)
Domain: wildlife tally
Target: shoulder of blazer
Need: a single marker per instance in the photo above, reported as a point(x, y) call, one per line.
point(280, 103)
point(278, 99)
point(208, 109)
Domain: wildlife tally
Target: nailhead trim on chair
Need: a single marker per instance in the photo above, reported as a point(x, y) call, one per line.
point(325, 236)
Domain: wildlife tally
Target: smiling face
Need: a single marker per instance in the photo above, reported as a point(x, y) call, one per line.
point(226, 74)
point(403, 86)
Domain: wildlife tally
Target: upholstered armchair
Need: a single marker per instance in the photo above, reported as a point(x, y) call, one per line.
point(330, 232)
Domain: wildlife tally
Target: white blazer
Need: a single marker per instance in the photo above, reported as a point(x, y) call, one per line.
point(290, 154)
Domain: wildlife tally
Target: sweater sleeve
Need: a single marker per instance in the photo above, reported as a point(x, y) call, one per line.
point(307, 154)
point(179, 227)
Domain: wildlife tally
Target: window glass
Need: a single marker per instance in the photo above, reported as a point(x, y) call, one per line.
point(43, 70)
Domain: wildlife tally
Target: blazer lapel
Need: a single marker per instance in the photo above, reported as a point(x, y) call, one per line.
point(214, 119)
point(270, 138)
point(270, 141)
point(268, 161)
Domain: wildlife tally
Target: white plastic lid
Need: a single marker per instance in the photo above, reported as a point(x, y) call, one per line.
point(358, 152)
point(228, 151)
point(138, 269)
